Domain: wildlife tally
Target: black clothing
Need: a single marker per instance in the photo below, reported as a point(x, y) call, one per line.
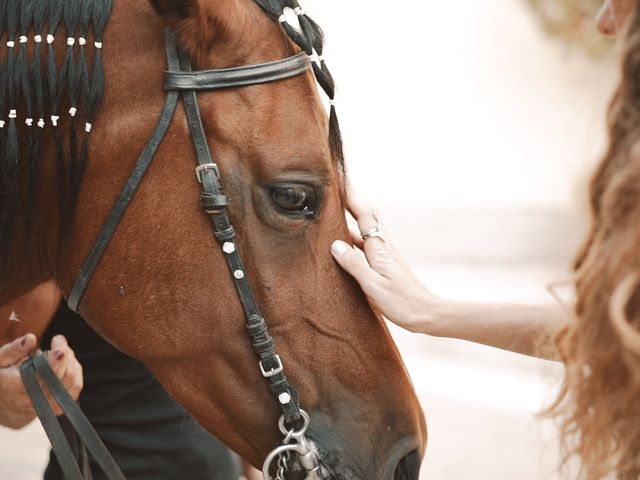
point(149, 435)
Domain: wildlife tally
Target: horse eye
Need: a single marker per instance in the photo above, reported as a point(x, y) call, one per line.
point(295, 199)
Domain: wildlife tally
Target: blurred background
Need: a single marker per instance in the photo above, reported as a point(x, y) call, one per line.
point(474, 127)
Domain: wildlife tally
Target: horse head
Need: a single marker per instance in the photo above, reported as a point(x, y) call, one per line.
point(162, 292)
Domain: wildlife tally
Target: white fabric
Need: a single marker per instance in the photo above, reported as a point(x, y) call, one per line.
point(87, 127)
point(71, 41)
point(50, 38)
point(41, 123)
point(37, 38)
point(11, 44)
point(12, 114)
point(73, 111)
point(54, 120)
point(23, 39)
point(82, 41)
point(97, 44)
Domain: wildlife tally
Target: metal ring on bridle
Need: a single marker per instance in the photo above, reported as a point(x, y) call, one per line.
point(292, 447)
point(300, 444)
point(295, 433)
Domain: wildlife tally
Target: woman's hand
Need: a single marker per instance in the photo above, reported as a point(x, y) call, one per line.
point(383, 275)
point(395, 291)
point(16, 410)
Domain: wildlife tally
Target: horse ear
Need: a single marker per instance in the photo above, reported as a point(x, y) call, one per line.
point(174, 9)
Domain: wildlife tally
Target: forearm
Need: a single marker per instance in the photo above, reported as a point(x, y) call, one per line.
point(525, 329)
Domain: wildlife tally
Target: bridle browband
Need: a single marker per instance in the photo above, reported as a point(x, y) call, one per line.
point(237, 76)
point(180, 80)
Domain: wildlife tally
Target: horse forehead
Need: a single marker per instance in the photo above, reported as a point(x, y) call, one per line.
point(289, 107)
point(267, 139)
point(303, 164)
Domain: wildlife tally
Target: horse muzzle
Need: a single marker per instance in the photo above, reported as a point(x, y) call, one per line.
point(298, 458)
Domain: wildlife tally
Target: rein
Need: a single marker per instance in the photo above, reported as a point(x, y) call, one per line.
point(180, 80)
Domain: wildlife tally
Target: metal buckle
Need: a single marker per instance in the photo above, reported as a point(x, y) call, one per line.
point(204, 167)
point(273, 371)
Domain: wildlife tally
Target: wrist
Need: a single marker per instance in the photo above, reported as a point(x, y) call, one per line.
point(432, 316)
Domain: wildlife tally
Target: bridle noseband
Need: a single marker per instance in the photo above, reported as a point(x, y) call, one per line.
point(181, 80)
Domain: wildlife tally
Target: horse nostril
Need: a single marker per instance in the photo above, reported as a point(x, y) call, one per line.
point(409, 467)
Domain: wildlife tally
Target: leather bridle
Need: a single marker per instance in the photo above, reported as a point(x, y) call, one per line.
point(180, 80)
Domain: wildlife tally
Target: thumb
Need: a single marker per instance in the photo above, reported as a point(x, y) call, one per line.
point(354, 263)
point(15, 351)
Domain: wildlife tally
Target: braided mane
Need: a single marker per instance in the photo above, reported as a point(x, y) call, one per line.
point(310, 39)
point(43, 98)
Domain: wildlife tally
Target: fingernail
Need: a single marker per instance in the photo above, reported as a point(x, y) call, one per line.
point(339, 248)
point(23, 342)
point(59, 355)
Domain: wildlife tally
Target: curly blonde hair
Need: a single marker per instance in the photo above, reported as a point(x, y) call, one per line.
point(599, 403)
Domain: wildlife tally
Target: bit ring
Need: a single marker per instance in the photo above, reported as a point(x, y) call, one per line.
point(293, 433)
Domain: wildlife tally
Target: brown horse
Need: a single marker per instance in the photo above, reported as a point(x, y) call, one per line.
point(162, 292)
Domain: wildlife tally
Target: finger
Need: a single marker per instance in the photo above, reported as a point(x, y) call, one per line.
point(356, 203)
point(354, 263)
point(356, 237)
point(66, 367)
point(382, 257)
point(13, 352)
point(73, 379)
point(15, 401)
point(363, 211)
point(12, 383)
point(73, 383)
point(58, 360)
point(59, 342)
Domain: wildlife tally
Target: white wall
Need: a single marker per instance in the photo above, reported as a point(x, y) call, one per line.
point(462, 103)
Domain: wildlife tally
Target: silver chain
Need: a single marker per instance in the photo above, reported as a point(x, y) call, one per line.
point(283, 466)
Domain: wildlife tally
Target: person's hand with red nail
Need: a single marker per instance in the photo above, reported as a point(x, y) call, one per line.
point(16, 410)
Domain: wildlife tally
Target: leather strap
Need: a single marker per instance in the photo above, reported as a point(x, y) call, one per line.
point(38, 367)
point(209, 177)
point(120, 207)
point(57, 438)
point(237, 76)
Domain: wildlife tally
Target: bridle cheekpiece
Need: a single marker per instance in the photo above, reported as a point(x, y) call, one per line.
point(180, 80)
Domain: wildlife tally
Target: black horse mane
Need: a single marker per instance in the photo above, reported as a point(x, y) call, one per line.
point(40, 97)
